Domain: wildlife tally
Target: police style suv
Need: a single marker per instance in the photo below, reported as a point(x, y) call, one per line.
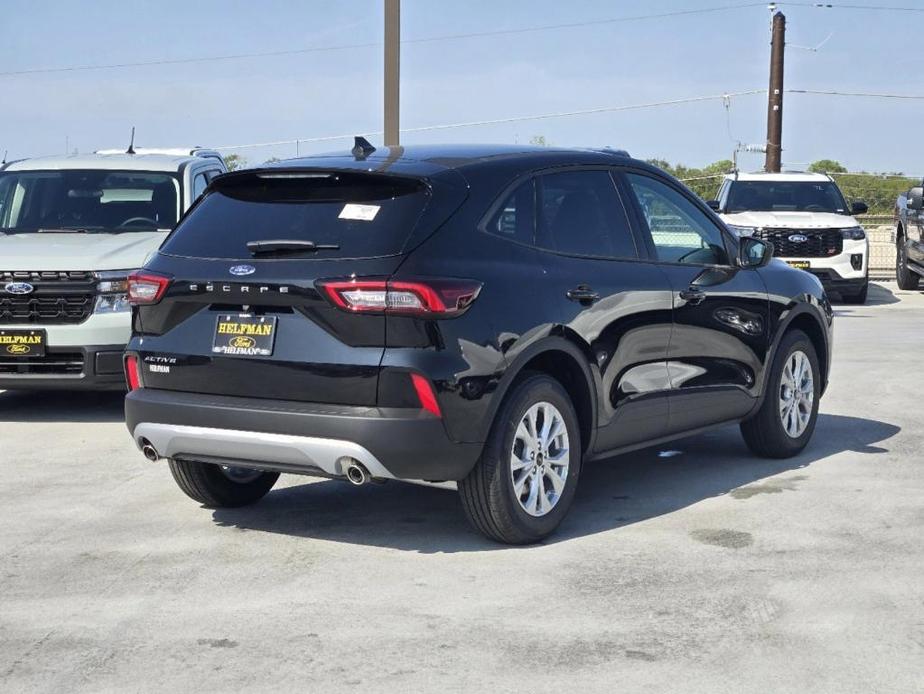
point(71, 230)
point(805, 217)
point(492, 316)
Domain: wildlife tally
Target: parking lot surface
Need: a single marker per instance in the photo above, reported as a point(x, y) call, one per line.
point(692, 568)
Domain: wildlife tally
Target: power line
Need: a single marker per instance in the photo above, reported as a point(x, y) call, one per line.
point(833, 6)
point(868, 95)
point(372, 44)
point(500, 121)
point(563, 114)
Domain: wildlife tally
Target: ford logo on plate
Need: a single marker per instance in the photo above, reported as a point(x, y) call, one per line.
point(18, 288)
point(798, 238)
point(241, 270)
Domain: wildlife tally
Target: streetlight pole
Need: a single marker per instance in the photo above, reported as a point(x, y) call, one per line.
point(392, 71)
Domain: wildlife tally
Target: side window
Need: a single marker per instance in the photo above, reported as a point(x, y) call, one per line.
point(580, 213)
point(199, 185)
point(515, 219)
point(682, 233)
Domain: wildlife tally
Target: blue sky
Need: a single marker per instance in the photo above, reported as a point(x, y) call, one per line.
point(472, 79)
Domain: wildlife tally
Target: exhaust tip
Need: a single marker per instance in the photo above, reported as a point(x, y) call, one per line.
point(356, 473)
point(149, 451)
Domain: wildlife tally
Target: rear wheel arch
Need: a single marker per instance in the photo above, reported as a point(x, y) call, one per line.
point(566, 362)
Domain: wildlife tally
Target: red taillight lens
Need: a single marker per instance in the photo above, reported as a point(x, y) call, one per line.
point(132, 372)
point(146, 287)
point(437, 298)
point(426, 395)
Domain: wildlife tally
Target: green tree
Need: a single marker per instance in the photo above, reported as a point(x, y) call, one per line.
point(538, 140)
point(235, 162)
point(827, 166)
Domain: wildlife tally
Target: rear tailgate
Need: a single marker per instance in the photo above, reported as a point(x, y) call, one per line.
point(200, 336)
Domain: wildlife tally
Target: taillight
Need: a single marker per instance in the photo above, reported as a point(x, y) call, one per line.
point(433, 297)
point(146, 287)
point(132, 372)
point(425, 394)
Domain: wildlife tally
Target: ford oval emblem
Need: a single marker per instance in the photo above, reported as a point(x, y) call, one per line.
point(798, 238)
point(18, 288)
point(241, 270)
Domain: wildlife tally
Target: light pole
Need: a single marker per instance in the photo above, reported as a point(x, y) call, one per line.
point(392, 72)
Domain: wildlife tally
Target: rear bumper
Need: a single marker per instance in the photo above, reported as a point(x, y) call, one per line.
point(97, 367)
point(285, 436)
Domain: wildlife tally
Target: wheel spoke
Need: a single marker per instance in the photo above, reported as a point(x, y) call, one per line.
point(544, 505)
point(558, 483)
point(553, 431)
point(517, 463)
point(520, 483)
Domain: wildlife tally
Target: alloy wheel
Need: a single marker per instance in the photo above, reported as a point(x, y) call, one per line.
point(539, 459)
point(797, 394)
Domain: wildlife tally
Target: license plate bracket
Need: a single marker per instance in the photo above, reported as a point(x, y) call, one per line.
point(23, 343)
point(244, 335)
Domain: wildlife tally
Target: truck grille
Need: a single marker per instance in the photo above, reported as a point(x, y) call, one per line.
point(56, 298)
point(53, 363)
point(821, 243)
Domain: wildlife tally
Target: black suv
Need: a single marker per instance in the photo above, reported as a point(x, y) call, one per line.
point(492, 316)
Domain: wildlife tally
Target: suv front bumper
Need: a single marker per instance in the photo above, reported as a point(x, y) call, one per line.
point(302, 438)
point(97, 367)
point(81, 356)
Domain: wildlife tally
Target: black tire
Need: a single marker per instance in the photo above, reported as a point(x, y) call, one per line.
point(210, 486)
point(859, 297)
point(907, 279)
point(488, 497)
point(764, 433)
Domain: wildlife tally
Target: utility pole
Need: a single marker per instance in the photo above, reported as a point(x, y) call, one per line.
point(392, 72)
point(775, 95)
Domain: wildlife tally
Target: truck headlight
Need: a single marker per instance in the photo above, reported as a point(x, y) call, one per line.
point(853, 233)
point(112, 292)
point(741, 231)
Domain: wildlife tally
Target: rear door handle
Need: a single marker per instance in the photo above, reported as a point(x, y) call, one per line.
point(693, 296)
point(583, 294)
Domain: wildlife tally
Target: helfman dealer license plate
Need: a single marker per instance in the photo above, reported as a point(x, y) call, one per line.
point(801, 264)
point(22, 343)
point(244, 335)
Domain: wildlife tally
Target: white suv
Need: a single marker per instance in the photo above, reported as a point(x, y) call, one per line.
point(71, 229)
point(808, 221)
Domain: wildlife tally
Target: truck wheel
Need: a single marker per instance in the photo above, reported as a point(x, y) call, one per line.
point(906, 278)
point(859, 297)
point(524, 483)
point(218, 486)
point(786, 420)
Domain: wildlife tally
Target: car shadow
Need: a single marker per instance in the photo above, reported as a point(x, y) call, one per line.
point(878, 295)
point(626, 489)
point(61, 406)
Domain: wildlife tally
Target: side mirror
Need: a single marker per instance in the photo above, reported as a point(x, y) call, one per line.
point(916, 198)
point(859, 207)
point(713, 205)
point(754, 253)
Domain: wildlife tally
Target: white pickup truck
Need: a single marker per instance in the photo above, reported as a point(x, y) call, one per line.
point(71, 229)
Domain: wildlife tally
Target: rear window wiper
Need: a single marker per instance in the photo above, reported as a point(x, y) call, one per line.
point(289, 246)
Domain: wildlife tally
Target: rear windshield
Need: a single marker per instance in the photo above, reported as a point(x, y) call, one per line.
point(347, 215)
